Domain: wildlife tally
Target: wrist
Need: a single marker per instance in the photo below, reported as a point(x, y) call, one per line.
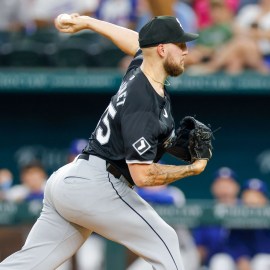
point(88, 22)
point(199, 165)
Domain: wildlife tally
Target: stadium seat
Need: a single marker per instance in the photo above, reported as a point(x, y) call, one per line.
point(74, 53)
point(87, 37)
point(44, 35)
point(4, 37)
point(110, 56)
point(23, 54)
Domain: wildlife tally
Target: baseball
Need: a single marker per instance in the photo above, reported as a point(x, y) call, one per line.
point(61, 19)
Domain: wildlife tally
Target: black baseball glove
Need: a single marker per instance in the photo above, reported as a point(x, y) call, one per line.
point(193, 140)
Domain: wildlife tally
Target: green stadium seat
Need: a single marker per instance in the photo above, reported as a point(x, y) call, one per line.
point(23, 54)
point(44, 35)
point(74, 53)
point(110, 56)
point(4, 37)
point(87, 37)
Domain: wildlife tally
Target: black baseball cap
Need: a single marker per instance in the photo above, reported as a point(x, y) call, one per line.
point(164, 29)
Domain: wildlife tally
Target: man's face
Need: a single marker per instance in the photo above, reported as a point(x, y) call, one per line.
point(174, 62)
point(225, 190)
point(254, 198)
point(34, 179)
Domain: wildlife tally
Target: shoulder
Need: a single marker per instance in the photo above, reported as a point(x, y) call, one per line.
point(134, 94)
point(137, 88)
point(139, 95)
point(136, 61)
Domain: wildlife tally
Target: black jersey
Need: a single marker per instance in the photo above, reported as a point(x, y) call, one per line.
point(136, 125)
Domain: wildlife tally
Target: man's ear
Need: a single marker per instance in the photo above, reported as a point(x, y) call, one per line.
point(161, 50)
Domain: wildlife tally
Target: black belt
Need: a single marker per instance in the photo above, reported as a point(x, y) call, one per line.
point(109, 167)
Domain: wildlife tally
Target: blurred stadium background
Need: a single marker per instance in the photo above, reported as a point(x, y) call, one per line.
point(54, 87)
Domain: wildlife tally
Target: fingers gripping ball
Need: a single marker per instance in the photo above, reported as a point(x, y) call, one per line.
point(61, 20)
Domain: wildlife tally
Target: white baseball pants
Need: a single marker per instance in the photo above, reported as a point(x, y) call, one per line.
point(83, 197)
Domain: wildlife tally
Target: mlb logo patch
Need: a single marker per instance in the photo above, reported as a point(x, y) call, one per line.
point(141, 146)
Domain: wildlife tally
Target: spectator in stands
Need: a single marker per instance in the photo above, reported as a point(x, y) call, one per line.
point(75, 148)
point(225, 187)
point(216, 34)
point(250, 247)
point(254, 21)
point(6, 180)
point(180, 9)
point(13, 16)
point(211, 241)
point(255, 193)
point(170, 195)
point(43, 12)
point(203, 11)
point(236, 55)
point(161, 7)
point(33, 178)
point(120, 12)
point(164, 195)
point(243, 3)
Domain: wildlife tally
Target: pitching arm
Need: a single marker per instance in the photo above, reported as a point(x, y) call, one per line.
point(124, 38)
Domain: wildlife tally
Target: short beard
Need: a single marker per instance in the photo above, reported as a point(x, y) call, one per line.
point(172, 68)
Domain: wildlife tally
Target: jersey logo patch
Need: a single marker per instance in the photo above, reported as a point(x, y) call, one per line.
point(141, 146)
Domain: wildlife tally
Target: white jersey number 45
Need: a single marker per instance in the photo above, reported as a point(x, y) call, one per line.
point(102, 137)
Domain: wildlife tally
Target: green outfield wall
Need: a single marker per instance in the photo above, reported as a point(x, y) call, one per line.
point(191, 215)
point(108, 80)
